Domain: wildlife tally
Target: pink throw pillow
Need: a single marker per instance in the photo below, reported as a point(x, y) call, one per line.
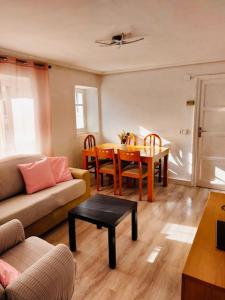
point(7, 273)
point(60, 168)
point(37, 175)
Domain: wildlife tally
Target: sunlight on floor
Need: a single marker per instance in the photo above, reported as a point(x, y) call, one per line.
point(180, 233)
point(153, 255)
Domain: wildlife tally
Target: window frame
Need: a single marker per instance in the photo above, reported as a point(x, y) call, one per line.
point(84, 105)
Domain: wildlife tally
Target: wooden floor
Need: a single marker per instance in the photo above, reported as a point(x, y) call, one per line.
point(149, 268)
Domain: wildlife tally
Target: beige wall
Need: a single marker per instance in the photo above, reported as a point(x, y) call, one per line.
point(65, 141)
point(155, 101)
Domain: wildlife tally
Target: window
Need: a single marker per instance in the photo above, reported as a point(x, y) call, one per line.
point(86, 108)
point(17, 119)
point(80, 109)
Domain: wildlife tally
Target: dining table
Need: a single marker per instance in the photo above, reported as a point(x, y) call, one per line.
point(149, 155)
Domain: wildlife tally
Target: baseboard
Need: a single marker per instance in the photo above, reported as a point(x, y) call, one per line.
point(179, 181)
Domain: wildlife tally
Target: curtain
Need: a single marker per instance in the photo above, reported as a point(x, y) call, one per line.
point(25, 123)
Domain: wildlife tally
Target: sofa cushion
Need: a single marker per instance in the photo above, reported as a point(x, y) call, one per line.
point(60, 168)
point(30, 208)
point(11, 181)
point(37, 175)
point(27, 253)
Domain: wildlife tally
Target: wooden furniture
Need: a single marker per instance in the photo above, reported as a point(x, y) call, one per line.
point(90, 142)
point(149, 155)
point(133, 170)
point(153, 139)
point(203, 276)
point(104, 211)
point(103, 167)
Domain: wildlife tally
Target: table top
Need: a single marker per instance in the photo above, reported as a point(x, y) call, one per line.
point(105, 210)
point(205, 262)
point(145, 151)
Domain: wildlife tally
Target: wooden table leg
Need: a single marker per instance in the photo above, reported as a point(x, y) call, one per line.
point(150, 179)
point(84, 161)
point(72, 233)
point(112, 247)
point(134, 226)
point(165, 170)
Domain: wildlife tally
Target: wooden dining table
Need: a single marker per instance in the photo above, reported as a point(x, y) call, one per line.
point(149, 155)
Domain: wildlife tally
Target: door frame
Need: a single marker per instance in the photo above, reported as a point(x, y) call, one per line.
point(199, 83)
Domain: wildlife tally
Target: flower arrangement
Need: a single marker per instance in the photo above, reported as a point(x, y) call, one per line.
point(125, 135)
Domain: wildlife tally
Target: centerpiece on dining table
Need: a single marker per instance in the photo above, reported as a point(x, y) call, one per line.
point(125, 135)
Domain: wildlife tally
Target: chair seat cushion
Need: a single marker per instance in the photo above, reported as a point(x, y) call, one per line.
point(106, 167)
point(134, 170)
point(30, 208)
point(27, 253)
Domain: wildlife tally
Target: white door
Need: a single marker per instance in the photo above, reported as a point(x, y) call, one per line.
point(211, 133)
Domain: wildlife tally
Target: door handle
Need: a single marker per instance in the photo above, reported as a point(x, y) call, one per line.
point(200, 131)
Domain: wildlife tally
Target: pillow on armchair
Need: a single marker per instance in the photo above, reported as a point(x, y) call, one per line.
point(7, 273)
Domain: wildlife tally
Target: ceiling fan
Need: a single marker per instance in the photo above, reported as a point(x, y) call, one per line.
point(119, 40)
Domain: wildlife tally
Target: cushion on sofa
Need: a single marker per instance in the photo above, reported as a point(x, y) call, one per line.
point(37, 175)
point(60, 168)
point(30, 208)
point(27, 253)
point(7, 273)
point(11, 181)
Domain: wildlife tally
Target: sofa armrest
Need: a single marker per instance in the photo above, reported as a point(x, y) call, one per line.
point(51, 277)
point(82, 174)
point(11, 234)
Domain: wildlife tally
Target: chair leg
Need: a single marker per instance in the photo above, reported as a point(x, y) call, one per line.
point(140, 189)
point(115, 184)
point(160, 170)
point(102, 183)
point(120, 185)
point(97, 181)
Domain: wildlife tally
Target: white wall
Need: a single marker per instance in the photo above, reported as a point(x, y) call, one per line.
point(65, 141)
point(155, 101)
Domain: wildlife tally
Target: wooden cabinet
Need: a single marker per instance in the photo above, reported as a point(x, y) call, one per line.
point(203, 277)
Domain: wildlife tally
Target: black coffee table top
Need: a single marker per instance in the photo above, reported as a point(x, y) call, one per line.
point(107, 210)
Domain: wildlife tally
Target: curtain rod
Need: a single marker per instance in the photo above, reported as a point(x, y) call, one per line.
point(5, 58)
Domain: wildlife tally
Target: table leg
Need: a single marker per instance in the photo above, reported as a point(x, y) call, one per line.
point(72, 233)
point(112, 247)
point(165, 170)
point(150, 179)
point(134, 227)
point(84, 161)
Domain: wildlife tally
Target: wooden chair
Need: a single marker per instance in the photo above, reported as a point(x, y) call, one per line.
point(106, 164)
point(131, 140)
point(90, 142)
point(153, 139)
point(136, 170)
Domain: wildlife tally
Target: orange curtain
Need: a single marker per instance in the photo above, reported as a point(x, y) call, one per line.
point(25, 122)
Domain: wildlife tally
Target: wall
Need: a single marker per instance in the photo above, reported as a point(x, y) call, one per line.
point(65, 141)
point(155, 101)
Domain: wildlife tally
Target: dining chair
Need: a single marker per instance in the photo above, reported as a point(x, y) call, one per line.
point(106, 164)
point(131, 140)
point(90, 142)
point(154, 139)
point(136, 170)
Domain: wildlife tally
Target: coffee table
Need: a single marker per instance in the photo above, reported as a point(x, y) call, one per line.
point(104, 211)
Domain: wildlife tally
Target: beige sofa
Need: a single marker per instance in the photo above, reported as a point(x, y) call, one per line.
point(42, 210)
point(42, 266)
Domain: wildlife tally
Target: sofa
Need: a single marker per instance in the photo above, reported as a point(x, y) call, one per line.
point(42, 210)
point(42, 266)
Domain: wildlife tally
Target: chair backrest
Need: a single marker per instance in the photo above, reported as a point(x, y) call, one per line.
point(131, 156)
point(152, 139)
point(131, 140)
point(101, 153)
point(89, 142)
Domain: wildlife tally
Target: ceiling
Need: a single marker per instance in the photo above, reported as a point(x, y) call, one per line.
point(176, 32)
